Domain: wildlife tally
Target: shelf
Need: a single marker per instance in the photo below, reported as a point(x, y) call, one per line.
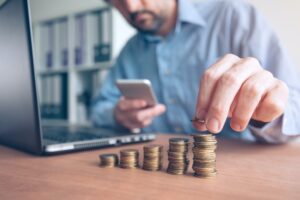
point(83, 68)
point(53, 71)
point(97, 66)
point(54, 122)
point(76, 80)
point(57, 122)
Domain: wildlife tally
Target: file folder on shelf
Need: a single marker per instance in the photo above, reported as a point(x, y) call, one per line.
point(103, 49)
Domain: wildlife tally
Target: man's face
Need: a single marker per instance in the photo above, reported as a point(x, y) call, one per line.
point(146, 16)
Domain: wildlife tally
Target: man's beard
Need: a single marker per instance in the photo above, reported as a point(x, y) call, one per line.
point(156, 23)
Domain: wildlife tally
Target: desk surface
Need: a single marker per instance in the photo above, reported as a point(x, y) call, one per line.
point(245, 171)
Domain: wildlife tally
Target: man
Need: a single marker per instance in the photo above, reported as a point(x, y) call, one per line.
point(218, 56)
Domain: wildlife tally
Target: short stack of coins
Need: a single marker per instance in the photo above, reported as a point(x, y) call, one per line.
point(178, 156)
point(204, 159)
point(129, 158)
point(109, 160)
point(153, 155)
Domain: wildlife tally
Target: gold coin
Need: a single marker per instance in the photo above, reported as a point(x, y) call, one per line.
point(108, 160)
point(153, 155)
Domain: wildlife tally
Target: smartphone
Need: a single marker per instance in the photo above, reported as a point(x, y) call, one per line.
point(137, 89)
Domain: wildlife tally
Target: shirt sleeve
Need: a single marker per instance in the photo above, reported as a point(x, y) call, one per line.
point(104, 104)
point(254, 37)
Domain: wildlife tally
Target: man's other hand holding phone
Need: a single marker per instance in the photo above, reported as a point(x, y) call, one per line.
point(135, 113)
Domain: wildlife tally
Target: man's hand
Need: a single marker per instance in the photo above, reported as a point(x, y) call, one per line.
point(241, 89)
point(134, 114)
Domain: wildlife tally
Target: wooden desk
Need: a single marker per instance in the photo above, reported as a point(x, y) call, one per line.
point(245, 171)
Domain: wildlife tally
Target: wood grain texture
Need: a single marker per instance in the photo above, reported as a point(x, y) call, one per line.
point(245, 171)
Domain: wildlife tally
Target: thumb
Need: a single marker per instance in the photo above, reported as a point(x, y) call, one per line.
point(160, 109)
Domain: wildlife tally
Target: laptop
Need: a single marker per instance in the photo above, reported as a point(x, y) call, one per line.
point(20, 122)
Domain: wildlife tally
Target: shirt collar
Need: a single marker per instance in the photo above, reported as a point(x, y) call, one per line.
point(187, 13)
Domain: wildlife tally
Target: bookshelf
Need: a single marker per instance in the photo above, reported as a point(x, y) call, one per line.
point(74, 51)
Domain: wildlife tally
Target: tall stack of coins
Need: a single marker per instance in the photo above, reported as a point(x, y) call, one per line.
point(204, 155)
point(153, 155)
point(129, 158)
point(177, 156)
point(109, 160)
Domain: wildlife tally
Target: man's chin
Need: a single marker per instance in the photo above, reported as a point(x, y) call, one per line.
point(146, 30)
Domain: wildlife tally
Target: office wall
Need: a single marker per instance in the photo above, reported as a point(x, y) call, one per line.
point(282, 15)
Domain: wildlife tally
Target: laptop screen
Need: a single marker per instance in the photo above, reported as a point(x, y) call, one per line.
point(18, 106)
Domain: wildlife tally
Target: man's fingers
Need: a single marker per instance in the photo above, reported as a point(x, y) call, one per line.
point(207, 86)
point(133, 123)
point(143, 118)
point(131, 104)
point(273, 104)
point(249, 97)
point(209, 81)
point(233, 105)
point(226, 90)
point(149, 113)
point(240, 89)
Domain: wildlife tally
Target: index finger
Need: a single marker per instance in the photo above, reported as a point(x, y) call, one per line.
point(207, 85)
point(131, 104)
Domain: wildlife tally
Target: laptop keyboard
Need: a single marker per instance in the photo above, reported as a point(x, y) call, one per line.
point(65, 134)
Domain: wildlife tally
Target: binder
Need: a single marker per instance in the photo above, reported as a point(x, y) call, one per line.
point(54, 97)
point(43, 103)
point(47, 96)
point(56, 45)
point(63, 42)
point(57, 100)
point(92, 36)
point(82, 110)
point(80, 39)
point(47, 46)
point(103, 49)
point(95, 85)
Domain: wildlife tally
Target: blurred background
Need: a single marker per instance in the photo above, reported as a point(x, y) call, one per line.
point(77, 41)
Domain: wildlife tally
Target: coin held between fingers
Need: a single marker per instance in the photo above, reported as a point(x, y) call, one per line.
point(195, 119)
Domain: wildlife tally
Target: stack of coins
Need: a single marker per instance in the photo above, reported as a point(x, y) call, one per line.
point(177, 156)
point(153, 155)
point(204, 155)
point(109, 160)
point(129, 158)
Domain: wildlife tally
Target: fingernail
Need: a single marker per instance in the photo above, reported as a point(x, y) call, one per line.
point(236, 127)
point(213, 125)
point(144, 103)
point(201, 114)
point(162, 108)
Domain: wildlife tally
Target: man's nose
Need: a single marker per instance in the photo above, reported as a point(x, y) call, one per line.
point(133, 5)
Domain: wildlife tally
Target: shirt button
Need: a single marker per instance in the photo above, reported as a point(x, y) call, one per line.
point(167, 72)
point(172, 101)
point(178, 129)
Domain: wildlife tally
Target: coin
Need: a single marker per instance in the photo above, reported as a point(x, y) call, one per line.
point(129, 158)
point(204, 138)
point(109, 160)
point(153, 157)
point(175, 141)
point(177, 156)
point(204, 160)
